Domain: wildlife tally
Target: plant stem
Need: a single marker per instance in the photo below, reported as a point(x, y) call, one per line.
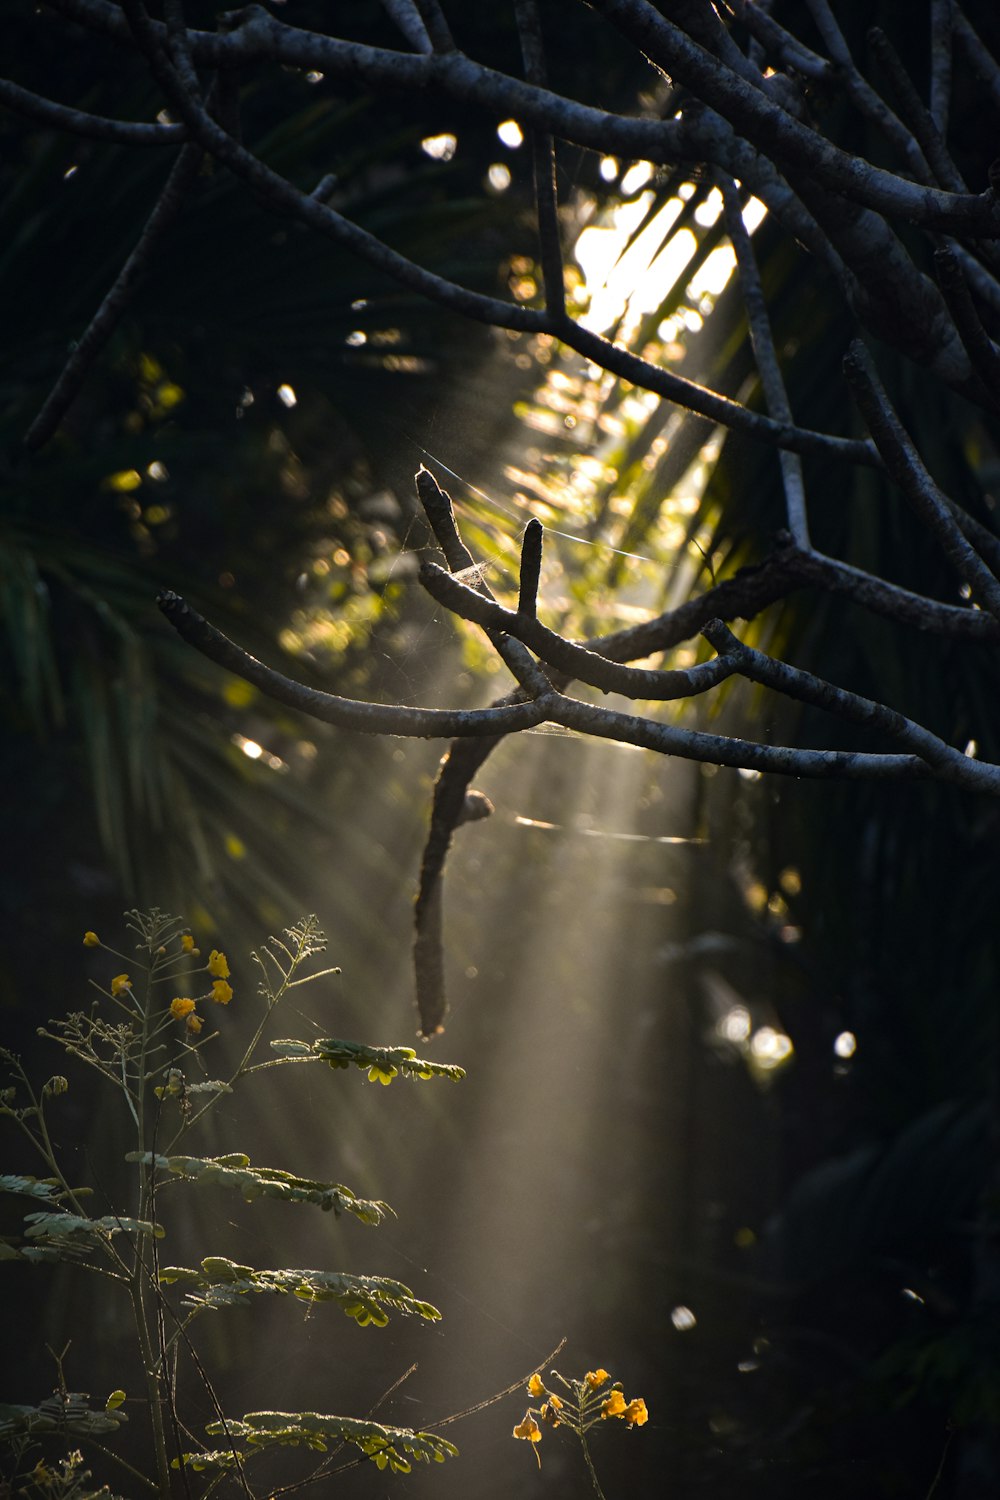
point(590, 1466)
point(152, 1361)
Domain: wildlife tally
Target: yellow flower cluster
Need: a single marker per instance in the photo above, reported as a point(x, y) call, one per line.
point(580, 1408)
point(634, 1412)
point(182, 1007)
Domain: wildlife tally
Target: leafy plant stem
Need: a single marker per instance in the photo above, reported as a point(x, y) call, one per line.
point(152, 1363)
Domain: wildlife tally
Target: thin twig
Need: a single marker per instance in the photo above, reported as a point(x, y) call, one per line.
point(530, 569)
point(982, 352)
point(441, 515)
point(574, 661)
point(346, 713)
point(287, 199)
point(978, 56)
point(951, 764)
point(919, 118)
point(762, 342)
point(942, 23)
point(706, 403)
point(860, 91)
point(182, 177)
point(721, 750)
point(410, 22)
point(772, 129)
point(905, 466)
point(79, 122)
point(777, 42)
point(786, 140)
point(543, 158)
point(437, 27)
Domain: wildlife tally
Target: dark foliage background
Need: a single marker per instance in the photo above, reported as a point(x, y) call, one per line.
point(613, 1158)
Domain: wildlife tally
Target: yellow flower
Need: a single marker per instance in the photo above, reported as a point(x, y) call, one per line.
point(528, 1429)
point(119, 983)
point(187, 943)
point(382, 1073)
point(535, 1386)
point(217, 964)
point(222, 992)
point(635, 1413)
point(550, 1410)
point(181, 1007)
point(596, 1378)
point(614, 1406)
point(194, 1023)
point(91, 940)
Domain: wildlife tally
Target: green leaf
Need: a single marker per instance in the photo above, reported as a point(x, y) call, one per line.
point(235, 1171)
point(32, 1187)
point(380, 1063)
point(224, 1283)
point(76, 1229)
point(385, 1446)
point(72, 1418)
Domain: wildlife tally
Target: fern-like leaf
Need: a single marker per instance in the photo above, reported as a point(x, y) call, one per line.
point(235, 1171)
point(387, 1447)
point(224, 1283)
point(382, 1064)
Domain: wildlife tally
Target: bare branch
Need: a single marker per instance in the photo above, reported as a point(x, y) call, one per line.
point(436, 25)
point(982, 351)
point(773, 130)
point(458, 766)
point(708, 403)
point(345, 713)
point(983, 282)
point(919, 118)
point(410, 22)
point(942, 23)
point(665, 739)
point(531, 567)
point(760, 585)
point(976, 53)
point(441, 515)
point(755, 113)
point(950, 764)
point(543, 160)
point(573, 661)
point(779, 43)
point(721, 750)
point(286, 198)
point(260, 37)
point(861, 93)
point(79, 122)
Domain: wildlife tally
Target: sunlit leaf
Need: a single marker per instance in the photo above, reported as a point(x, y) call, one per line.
point(235, 1171)
point(224, 1283)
